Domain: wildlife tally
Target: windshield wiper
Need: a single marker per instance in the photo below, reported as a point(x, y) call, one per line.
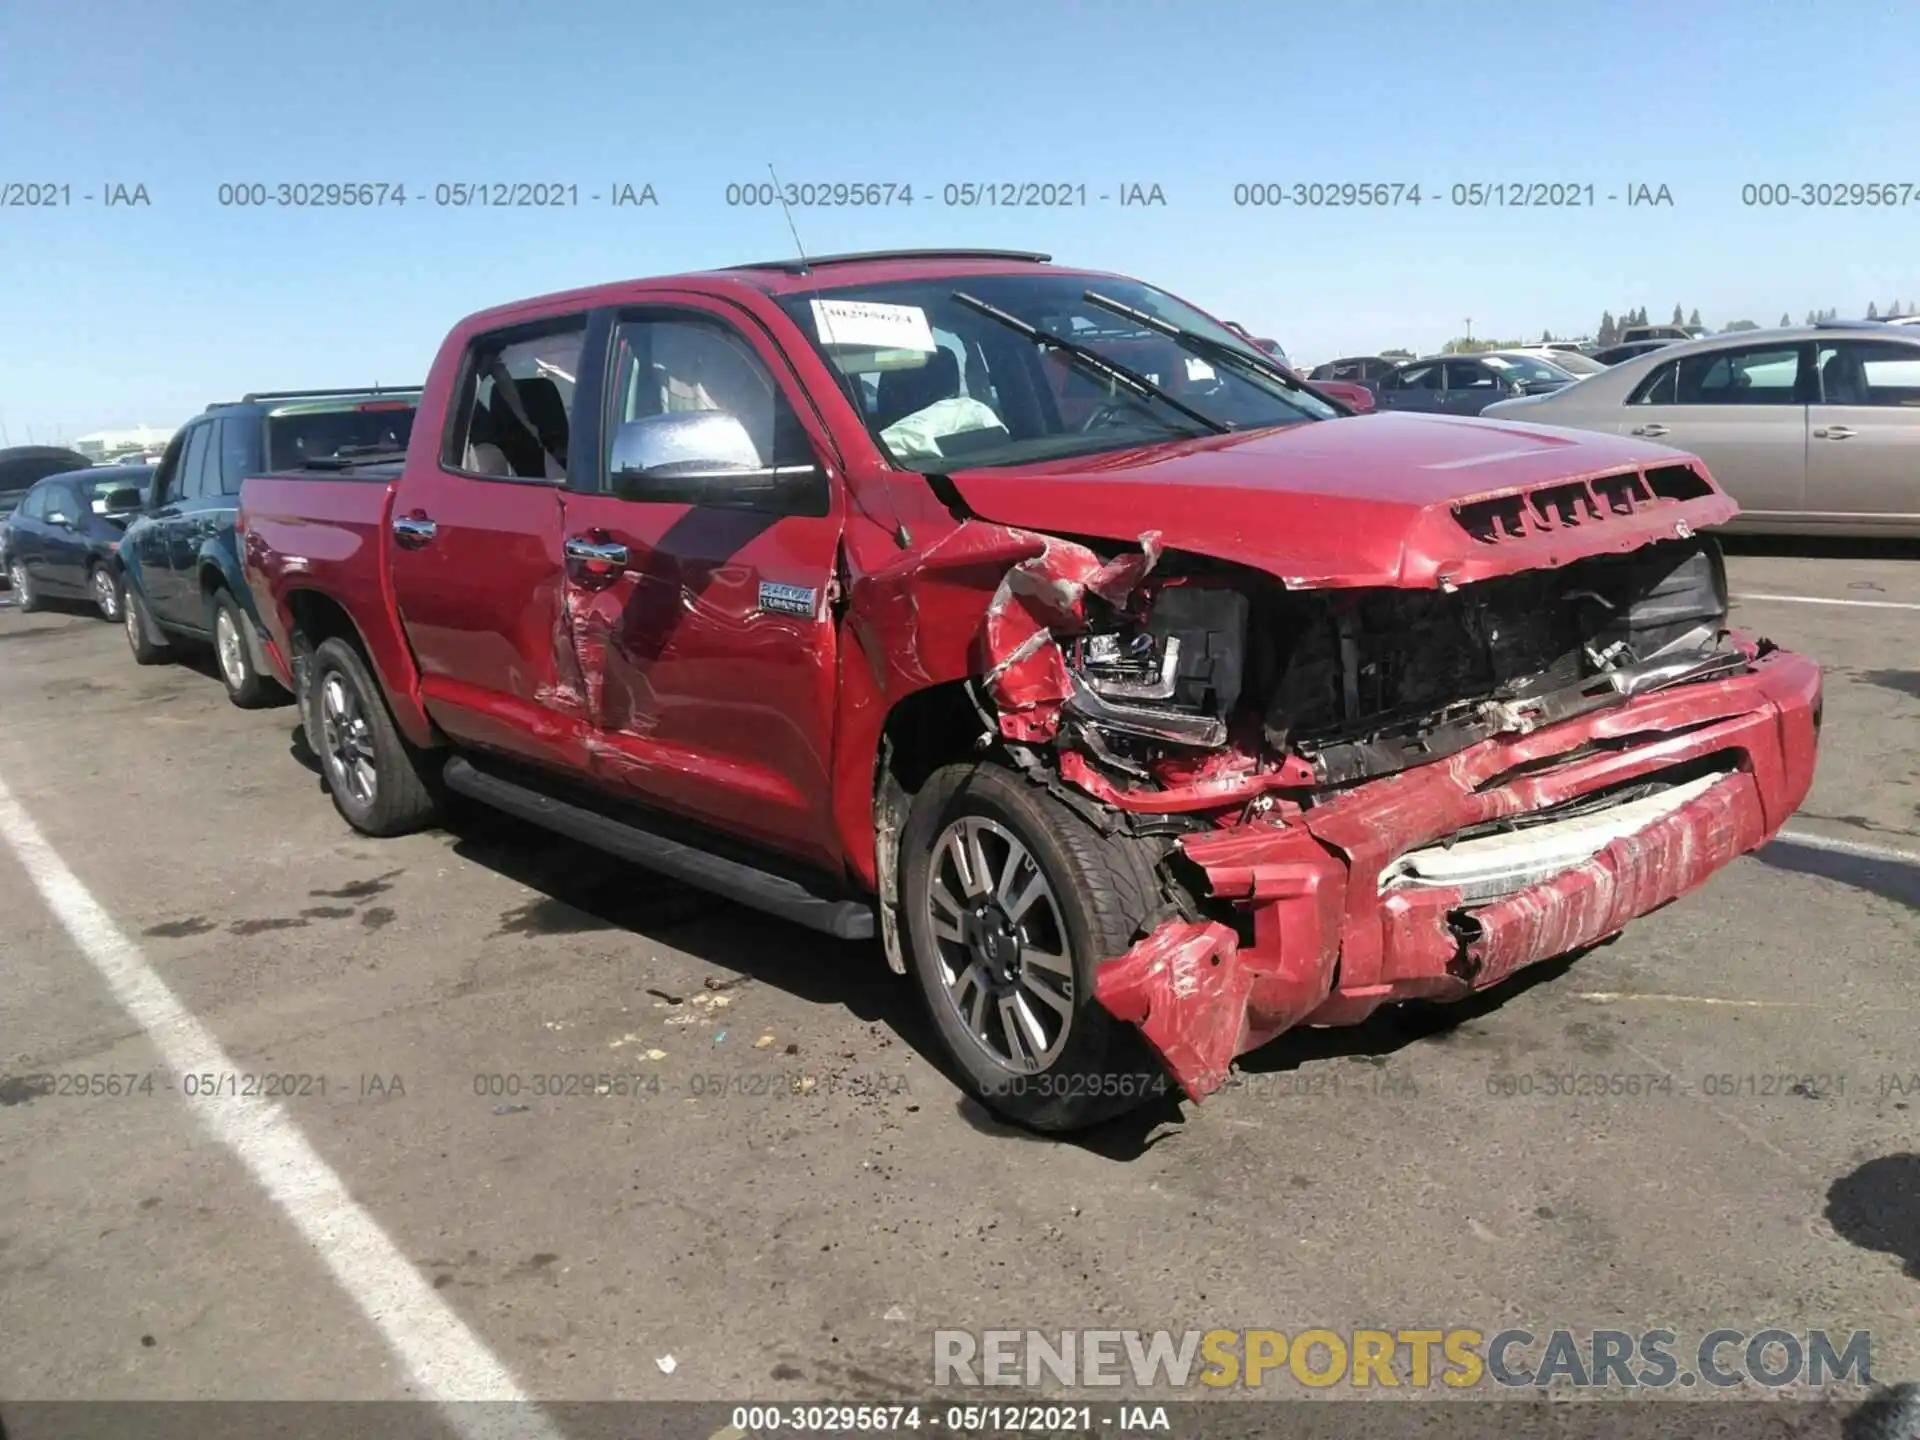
point(1092, 359)
point(1206, 344)
point(348, 456)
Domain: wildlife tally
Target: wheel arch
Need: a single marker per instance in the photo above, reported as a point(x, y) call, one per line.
point(314, 617)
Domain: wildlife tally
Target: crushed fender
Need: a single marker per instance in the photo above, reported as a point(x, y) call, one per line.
point(1186, 988)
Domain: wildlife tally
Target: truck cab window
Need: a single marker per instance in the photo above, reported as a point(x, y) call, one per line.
point(679, 366)
point(513, 416)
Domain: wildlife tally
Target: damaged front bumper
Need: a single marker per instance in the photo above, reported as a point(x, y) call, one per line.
point(1313, 919)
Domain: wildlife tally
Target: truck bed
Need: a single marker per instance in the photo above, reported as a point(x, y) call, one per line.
point(322, 530)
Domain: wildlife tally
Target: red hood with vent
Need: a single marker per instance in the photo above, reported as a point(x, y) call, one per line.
point(1410, 501)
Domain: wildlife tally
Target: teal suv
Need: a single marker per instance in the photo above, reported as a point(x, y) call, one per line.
point(178, 565)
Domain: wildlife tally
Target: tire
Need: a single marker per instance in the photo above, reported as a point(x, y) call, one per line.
point(1097, 895)
point(104, 586)
point(246, 686)
point(380, 784)
point(141, 631)
point(25, 598)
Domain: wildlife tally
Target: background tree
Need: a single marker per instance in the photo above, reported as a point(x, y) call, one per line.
point(1546, 336)
point(1743, 325)
point(1872, 314)
point(1640, 316)
point(1694, 319)
point(1679, 315)
point(1609, 331)
point(1785, 320)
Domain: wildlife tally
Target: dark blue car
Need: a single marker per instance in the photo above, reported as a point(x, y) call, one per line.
point(62, 539)
point(179, 564)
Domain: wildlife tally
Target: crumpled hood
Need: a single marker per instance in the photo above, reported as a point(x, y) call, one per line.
point(1369, 500)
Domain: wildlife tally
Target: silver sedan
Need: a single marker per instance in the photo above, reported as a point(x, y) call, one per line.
point(1814, 430)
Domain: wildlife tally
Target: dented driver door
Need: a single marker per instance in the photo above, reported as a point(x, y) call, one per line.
point(700, 549)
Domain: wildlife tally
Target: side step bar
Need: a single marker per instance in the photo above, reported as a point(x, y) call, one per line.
point(763, 890)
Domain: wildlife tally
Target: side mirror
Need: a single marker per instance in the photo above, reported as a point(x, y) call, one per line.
point(126, 498)
point(706, 457)
point(1516, 388)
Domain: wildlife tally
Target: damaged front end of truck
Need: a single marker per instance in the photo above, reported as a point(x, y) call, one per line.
point(1361, 793)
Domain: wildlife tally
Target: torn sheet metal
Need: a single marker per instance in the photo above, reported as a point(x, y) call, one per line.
point(1037, 602)
point(1186, 988)
point(1224, 780)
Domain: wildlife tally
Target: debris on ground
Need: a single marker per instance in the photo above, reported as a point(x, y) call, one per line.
point(664, 998)
point(719, 1035)
point(763, 1042)
point(511, 1109)
point(713, 984)
point(667, 1364)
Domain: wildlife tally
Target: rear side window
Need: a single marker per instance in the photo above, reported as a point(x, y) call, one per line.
point(513, 413)
point(1418, 377)
point(34, 507)
point(239, 452)
point(1739, 377)
point(185, 483)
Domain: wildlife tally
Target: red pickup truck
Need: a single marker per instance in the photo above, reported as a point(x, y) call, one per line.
point(1143, 703)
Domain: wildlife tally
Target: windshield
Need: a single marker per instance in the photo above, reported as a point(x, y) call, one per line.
point(941, 384)
point(292, 440)
point(1527, 368)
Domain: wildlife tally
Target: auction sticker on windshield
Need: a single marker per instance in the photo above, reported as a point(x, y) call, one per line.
point(871, 325)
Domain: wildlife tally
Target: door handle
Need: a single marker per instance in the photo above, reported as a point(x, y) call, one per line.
point(413, 531)
point(1656, 429)
point(596, 552)
point(1834, 432)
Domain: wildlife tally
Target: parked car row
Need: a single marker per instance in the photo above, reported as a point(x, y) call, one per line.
point(1141, 701)
point(153, 547)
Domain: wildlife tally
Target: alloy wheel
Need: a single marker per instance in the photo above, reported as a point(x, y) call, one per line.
point(233, 661)
point(106, 593)
point(1002, 944)
point(346, 740)
point(22, 590)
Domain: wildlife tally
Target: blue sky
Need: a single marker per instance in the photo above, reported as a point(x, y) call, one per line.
point(112, 317)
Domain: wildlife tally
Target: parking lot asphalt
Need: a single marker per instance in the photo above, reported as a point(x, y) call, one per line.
point(781, 1191)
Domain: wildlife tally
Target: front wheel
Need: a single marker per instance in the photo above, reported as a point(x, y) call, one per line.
point(1012, 901)
point(24, 598)
point(380, 784)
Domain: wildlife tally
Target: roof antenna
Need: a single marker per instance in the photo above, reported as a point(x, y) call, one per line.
point(901, 535)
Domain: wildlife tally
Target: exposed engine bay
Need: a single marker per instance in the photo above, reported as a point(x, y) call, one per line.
point(1198, 672)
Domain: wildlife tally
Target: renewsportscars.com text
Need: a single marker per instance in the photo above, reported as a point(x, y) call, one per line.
point(1458, 1357)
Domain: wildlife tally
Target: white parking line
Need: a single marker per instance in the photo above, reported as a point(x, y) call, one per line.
point(446, 1362)
point(1823, 600)
point(1860, 848)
